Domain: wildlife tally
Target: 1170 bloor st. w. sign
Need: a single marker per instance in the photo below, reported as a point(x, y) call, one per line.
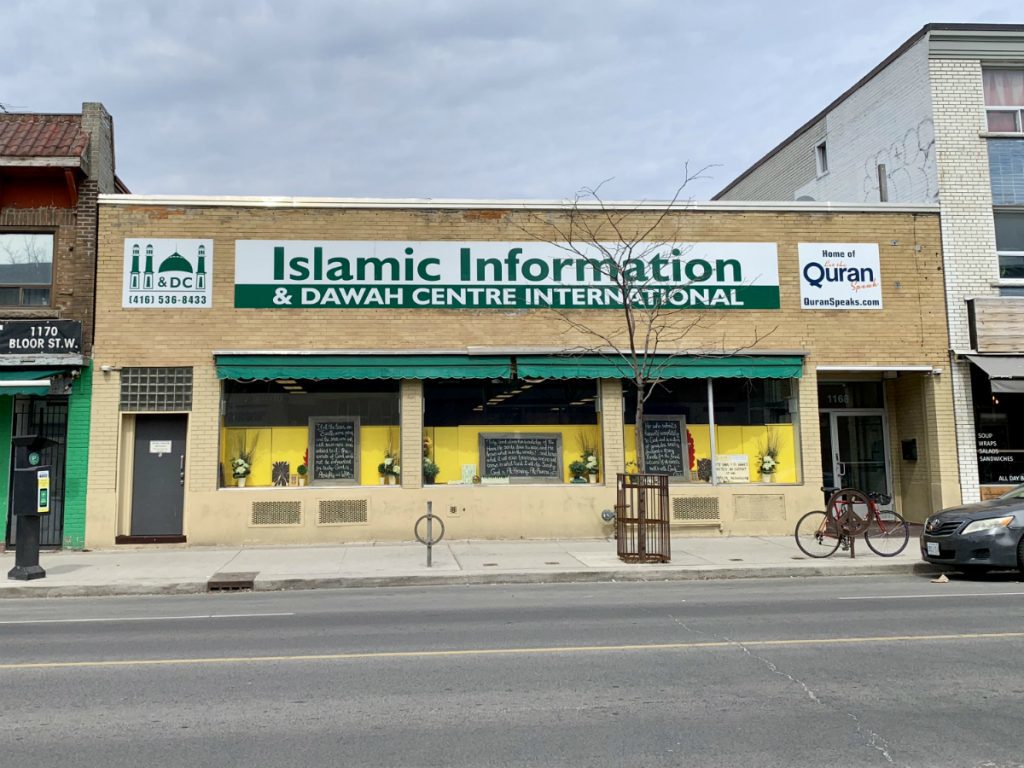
point(25, 338)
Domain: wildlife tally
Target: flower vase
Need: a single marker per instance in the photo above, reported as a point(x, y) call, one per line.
point(767, 477)
point(592, 477)
point(240, 482)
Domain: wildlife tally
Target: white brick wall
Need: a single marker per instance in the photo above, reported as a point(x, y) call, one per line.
point(968, 231)
point(887, 121)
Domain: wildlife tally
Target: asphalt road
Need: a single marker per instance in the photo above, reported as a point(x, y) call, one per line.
point(803, 672)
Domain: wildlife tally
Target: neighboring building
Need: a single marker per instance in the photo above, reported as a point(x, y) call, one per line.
point(242, 340)
point(940, 120)
point(52, 168)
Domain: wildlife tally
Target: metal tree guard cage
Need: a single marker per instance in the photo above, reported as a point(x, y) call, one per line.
point(642, 518)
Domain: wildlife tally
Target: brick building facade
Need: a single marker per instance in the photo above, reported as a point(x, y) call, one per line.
point(53, 167)
point(300, 371)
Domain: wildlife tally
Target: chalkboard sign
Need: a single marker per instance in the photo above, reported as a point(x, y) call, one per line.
point(524, 457)
point(334, 450)
point(665, 449)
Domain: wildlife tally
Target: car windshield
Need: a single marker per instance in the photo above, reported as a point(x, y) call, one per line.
point(1016, 493)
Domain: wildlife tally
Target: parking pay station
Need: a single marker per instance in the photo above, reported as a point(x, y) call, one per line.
point(30, 498)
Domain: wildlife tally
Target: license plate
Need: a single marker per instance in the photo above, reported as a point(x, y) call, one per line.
point(932, 548)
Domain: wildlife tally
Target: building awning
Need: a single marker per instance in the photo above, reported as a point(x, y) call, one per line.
point(269, 367)
point(26, 382)
point(681, 367)
point(1006, 372)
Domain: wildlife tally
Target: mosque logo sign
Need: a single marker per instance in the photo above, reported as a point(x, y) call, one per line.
point(167, 273)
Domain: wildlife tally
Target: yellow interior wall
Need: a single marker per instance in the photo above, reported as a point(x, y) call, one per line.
point(451, 447)
point(289, 444)
point(735, 440)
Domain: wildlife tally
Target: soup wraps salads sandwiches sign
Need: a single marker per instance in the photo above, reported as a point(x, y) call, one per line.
point(503, 275)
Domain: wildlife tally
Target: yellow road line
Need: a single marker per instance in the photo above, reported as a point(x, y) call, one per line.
point(821, 641)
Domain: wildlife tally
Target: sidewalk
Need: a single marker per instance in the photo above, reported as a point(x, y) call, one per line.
point(166, 570)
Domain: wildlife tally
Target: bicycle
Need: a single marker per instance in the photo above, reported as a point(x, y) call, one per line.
point(821, 533)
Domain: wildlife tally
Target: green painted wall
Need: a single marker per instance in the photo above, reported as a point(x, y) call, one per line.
point(6, 425)
point(76, 462)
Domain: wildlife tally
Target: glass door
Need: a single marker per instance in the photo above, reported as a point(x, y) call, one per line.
point(860, 451)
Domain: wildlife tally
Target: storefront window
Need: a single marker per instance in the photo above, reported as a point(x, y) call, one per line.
point(497, 432)
point(754, 430)
point(753, 418)
point(676, 401)
point(298, 432)
point(1000, 441)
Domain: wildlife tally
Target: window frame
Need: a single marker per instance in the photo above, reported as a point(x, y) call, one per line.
point(22, 287)
point(1017, 110)
point(821, 158)
point(1015, 281)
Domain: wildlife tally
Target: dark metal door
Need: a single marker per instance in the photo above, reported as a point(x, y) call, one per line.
point(47, 416)
point(158, 479)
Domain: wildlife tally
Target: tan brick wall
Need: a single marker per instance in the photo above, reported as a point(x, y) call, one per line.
point(910, 330)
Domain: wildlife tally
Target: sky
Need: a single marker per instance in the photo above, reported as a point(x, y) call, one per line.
point(471, 99)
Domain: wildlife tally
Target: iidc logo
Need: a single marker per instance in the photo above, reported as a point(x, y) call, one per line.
point(167, 273)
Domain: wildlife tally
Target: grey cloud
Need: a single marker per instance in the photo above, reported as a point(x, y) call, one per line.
point(448, 99)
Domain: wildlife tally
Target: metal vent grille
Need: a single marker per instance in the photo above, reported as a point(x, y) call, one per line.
point(276, 513)
point(695, 509)
point(343, 511)
point(156, 389)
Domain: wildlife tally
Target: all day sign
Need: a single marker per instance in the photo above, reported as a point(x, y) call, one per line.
point(503, 275)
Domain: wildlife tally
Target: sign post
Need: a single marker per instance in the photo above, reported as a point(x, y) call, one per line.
point(30, 498)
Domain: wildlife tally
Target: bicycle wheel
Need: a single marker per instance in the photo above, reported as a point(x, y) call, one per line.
point(887, 534)
point(817, 535)
point(850, 507)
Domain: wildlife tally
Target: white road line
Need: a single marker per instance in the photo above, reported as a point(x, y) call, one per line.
point(149, 618)
point(925, 597)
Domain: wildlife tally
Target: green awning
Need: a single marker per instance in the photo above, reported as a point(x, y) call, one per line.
point(689, 367)
point(22, 381)
point(266, 367)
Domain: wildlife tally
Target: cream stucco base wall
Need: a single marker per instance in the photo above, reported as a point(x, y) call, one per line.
point(919, 407)
point(226, 517)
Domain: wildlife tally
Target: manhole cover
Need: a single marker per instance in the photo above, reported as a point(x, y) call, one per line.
point(489, 565)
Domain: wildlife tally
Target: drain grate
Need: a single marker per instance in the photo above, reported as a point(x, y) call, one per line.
point(231, 582)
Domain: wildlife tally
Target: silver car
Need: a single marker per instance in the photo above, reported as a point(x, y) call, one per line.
point(975, 538)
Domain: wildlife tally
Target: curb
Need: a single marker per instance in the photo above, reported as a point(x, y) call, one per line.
point(468, 579)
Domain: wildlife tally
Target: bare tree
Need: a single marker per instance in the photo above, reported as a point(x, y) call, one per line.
point(625, 246)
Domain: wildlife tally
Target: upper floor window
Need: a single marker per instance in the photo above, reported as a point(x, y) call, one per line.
point(26, 269)
point(1010, 244)
point(1004, 99)
point(821, 158)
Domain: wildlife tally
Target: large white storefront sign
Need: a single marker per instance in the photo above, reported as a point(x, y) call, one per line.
point(495, 275)
point(840, 276)
point(167, 273)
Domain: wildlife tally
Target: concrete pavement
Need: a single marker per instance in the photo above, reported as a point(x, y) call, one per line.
point(173, 570)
